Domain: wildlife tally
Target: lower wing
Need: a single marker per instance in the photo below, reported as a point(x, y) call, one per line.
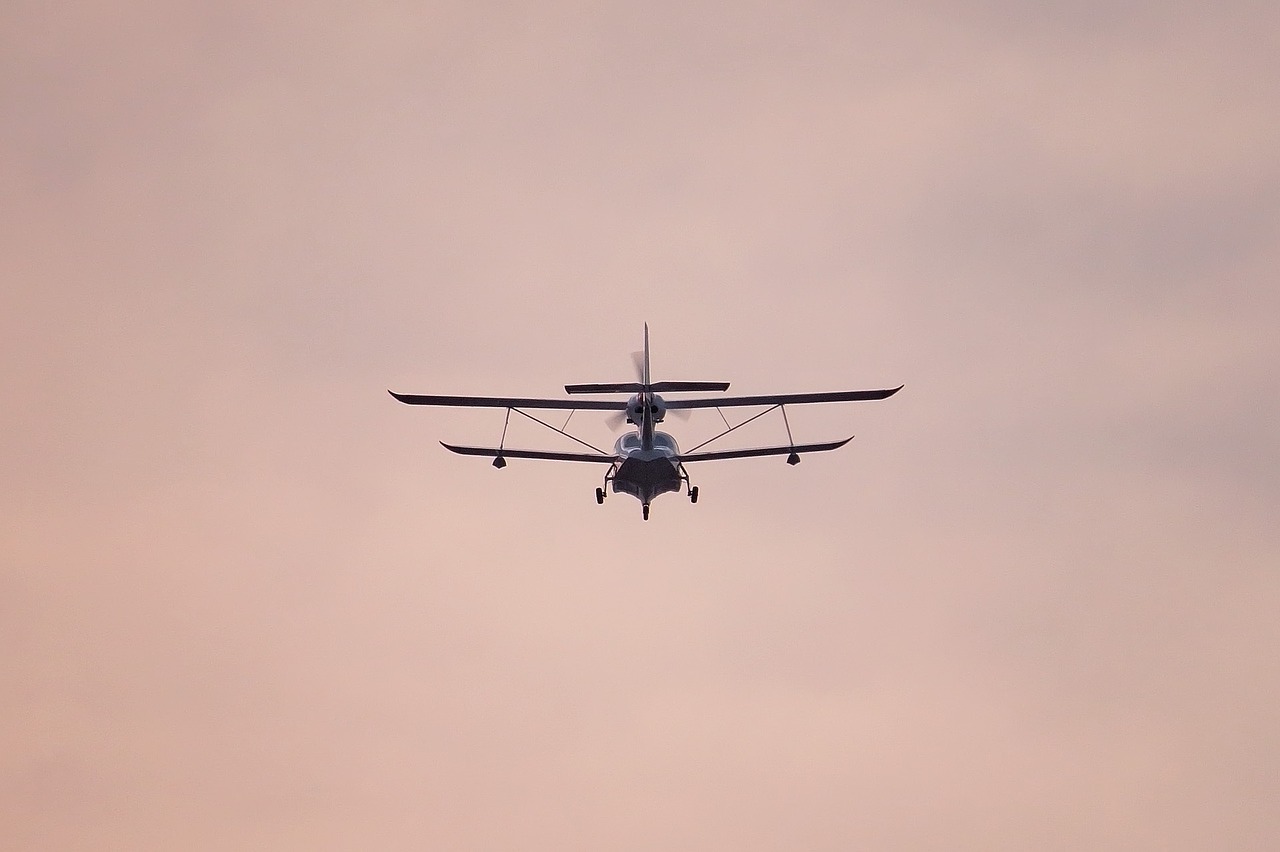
point(765, 451)
point(494, 452)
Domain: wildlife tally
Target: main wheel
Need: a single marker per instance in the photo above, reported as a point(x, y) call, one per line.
point(693, 494)
point(600, 495)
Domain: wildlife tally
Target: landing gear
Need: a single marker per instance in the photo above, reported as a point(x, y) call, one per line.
point(604, 489)
point(644, 511)
point(693, 489)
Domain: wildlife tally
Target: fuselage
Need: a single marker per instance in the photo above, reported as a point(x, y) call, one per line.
point(648, 460)
point(642, 472)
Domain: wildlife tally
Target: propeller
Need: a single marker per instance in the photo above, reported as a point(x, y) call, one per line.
point(617, 420)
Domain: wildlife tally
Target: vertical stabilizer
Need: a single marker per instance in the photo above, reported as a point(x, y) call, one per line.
point(645, 378)
point(646, 423)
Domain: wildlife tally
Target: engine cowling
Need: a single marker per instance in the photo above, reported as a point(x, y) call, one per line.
point(635, 409)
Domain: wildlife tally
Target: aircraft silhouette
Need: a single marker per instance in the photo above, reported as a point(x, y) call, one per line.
point(646, 462)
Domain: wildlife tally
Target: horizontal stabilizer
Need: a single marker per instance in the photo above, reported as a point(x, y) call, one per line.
point(764, 451)
point(621, 387)
point(675, 387)
point(656, 387)
point(494, 452)
point(510, 402)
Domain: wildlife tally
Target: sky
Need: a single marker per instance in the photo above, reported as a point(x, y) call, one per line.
point(247, 601)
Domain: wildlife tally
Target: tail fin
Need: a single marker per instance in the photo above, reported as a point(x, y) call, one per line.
point(645, 378)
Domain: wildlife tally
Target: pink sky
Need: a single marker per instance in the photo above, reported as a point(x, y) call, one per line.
point(247, 601)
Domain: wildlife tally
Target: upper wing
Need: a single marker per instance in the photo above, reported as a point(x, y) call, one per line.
point(494, 452)
point(783, 399)
point(510, 402)
point(764, 451)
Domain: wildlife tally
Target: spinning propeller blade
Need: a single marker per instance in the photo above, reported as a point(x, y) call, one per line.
point(617, 421)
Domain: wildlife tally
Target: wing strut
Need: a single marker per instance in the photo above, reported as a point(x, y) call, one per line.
point(794, 457)
point(739, 426)
point(554, 429)
point(498, 461)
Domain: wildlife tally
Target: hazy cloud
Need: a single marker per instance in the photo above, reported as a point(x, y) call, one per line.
point(247, 601)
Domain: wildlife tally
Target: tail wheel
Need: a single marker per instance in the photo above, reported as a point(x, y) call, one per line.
point(645, 511)
point(600, 495)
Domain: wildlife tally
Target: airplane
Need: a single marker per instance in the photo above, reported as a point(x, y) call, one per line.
point(646, 462)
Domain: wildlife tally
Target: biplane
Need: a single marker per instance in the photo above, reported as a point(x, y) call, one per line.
point(645, 462)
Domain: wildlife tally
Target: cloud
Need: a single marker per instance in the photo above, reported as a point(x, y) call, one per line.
point(249, 601)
